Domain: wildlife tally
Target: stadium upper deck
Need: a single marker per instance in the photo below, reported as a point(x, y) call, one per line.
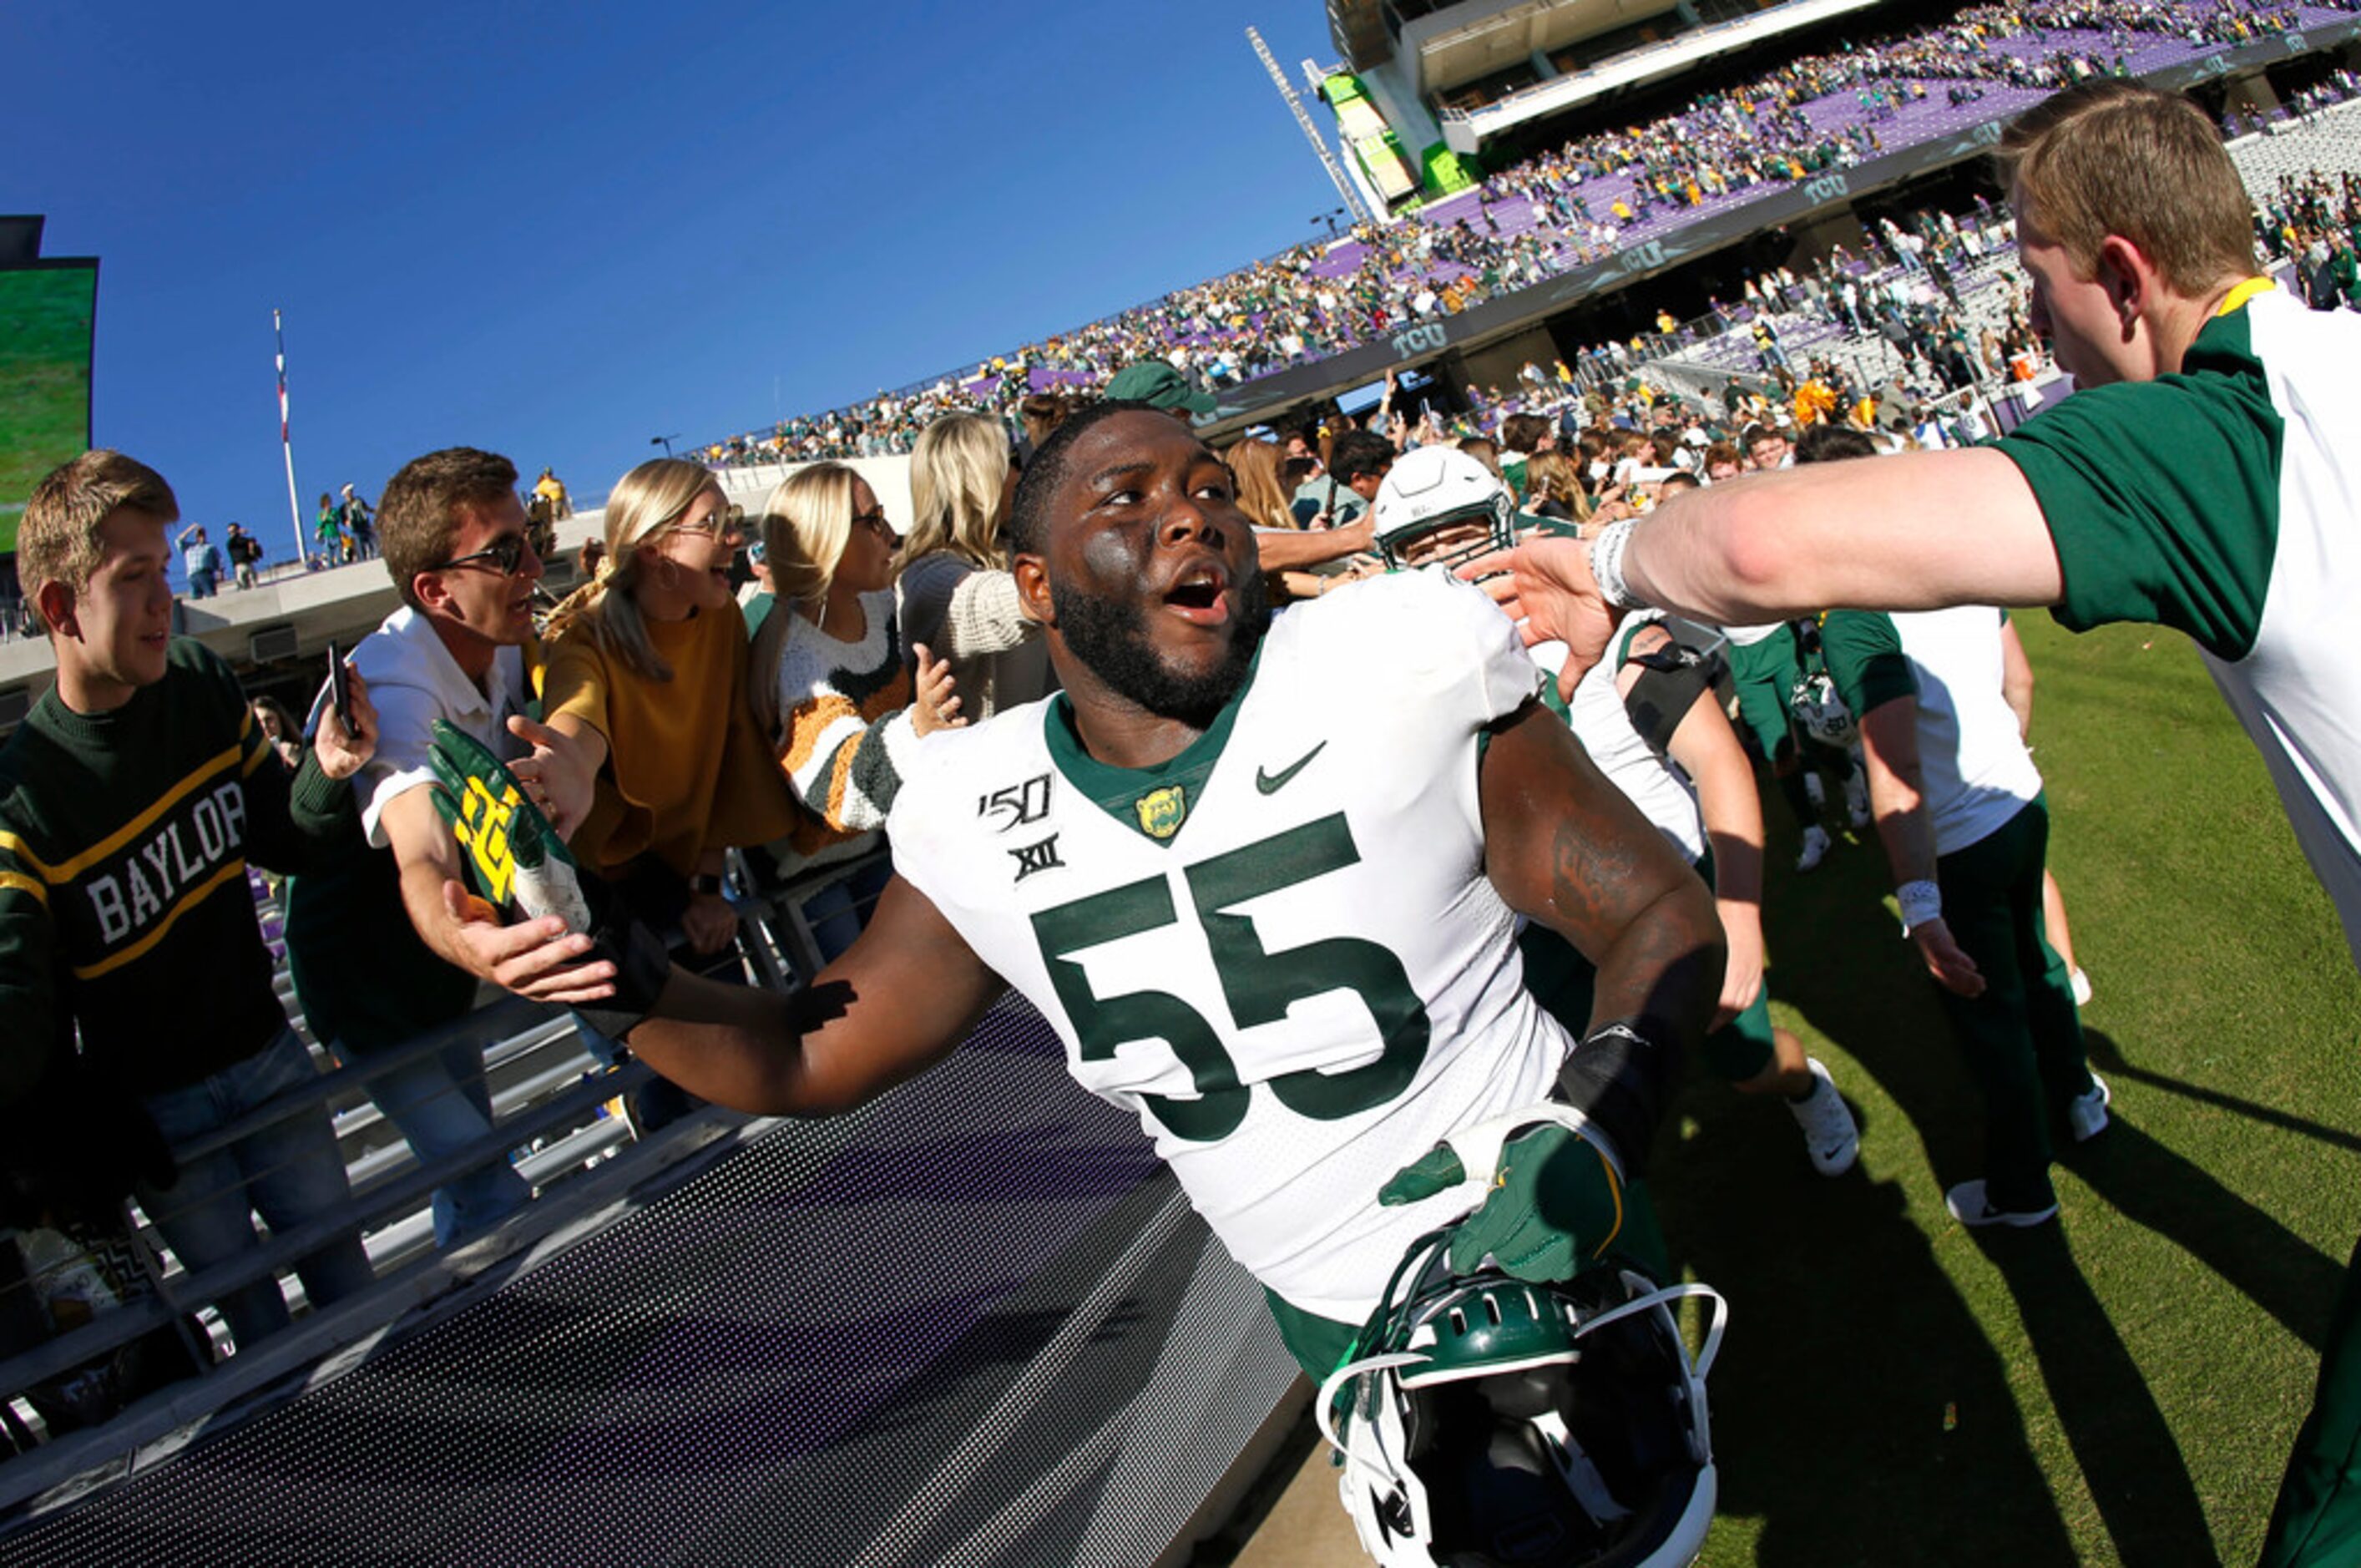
point(1599, 211)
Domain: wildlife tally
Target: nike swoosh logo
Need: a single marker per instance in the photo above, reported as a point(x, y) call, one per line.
point(1271, 783)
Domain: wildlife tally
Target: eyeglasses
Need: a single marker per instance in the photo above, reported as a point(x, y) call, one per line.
point(874, 522)
point(719, 523)
point(505, 555)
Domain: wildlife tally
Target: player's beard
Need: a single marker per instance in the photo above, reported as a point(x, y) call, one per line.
point(1110, 637)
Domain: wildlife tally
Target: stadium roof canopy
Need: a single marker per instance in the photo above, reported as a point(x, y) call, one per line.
point(1465, 130)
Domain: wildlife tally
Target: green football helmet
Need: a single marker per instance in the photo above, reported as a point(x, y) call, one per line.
point(1486, 1421)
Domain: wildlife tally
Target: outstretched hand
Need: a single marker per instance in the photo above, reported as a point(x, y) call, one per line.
point(553, 775)
point(539, 958)
point(1545, 585)
point(934, 705)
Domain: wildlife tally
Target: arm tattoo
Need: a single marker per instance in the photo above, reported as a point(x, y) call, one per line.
point(1590, 878)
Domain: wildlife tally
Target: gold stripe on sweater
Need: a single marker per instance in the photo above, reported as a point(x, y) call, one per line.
point(131, 829)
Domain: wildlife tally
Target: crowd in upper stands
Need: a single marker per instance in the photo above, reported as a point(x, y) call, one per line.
point(1778, 128)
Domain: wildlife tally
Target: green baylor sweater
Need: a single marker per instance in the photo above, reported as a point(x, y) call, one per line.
point(124, 906)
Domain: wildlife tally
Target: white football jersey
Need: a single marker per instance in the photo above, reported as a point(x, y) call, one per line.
point(1280, 948)
point(1602, 721)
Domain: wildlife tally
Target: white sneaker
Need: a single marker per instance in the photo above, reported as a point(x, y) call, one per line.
point(1857, 799)
point(1830, 1136)
point(2086, 1113)
point(1814, 849)
point(1969, 1205)
point(2081, 987)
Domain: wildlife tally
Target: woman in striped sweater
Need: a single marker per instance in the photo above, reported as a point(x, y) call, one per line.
point(842, 708)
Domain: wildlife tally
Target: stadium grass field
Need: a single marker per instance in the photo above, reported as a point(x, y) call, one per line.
point(2119, 1387)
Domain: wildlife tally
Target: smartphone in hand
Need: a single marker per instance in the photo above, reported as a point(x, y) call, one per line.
point(340, 687)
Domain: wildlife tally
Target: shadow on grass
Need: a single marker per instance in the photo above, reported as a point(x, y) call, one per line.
point(2124, 1447)
point(1882, 1013)
point(2154, 1185)
point(1857, 1334)
point(2106, 1056)
point(1860, 1411)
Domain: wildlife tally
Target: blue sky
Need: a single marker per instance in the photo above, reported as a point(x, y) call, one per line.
point(557, 231)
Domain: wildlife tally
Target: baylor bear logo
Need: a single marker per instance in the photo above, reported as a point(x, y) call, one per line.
point(1162, 811)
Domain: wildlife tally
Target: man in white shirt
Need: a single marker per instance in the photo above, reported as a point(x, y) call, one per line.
point(380, 950)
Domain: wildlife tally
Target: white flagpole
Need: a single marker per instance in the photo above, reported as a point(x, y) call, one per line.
point(294, 506)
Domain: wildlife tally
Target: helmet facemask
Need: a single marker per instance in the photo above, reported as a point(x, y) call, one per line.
point(1494, 1421)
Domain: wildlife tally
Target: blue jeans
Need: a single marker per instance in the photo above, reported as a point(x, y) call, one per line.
point(441, 1103)
point(290, 1172)
point(837, 913)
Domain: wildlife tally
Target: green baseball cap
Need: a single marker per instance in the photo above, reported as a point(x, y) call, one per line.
point(1157, 384)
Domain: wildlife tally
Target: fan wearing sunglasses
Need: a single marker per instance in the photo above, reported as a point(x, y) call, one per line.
point(841, 706)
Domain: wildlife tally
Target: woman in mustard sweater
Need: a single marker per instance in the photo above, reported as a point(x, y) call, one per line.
point(647, 676)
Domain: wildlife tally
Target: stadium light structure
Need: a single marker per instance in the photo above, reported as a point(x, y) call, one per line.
point(1311, 132)
point(665, 441)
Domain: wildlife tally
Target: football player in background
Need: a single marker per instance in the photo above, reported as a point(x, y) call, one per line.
point(1651, 721)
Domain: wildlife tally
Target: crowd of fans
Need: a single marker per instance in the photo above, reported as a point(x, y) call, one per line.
point(2312, 221)
point(1803, 118)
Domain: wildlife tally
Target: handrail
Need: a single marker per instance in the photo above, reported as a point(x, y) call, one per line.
point(473, 1030)
point(401, 1192)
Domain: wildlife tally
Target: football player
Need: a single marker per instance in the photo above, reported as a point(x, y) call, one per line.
point(1651, 720)
point(1262, 880)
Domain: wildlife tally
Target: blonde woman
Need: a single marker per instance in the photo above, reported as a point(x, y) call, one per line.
point(647, 677)
point(842, 708)
point(1293, 573)
point(952, 586)
point(1261, 496)
point(1554, 487)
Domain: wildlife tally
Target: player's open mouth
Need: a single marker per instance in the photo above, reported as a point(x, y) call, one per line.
point(1201, 595)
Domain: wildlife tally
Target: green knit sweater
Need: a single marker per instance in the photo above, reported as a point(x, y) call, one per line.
point(124, 906)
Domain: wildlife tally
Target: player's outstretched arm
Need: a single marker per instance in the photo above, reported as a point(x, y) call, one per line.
point(894, 1004)
point(1916, 531)
point(1565, 847)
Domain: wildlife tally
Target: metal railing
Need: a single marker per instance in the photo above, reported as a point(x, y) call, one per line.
point(549, 1125)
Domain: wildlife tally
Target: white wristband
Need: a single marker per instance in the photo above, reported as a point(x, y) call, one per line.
point(1921, 902)
point(1607, 562)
